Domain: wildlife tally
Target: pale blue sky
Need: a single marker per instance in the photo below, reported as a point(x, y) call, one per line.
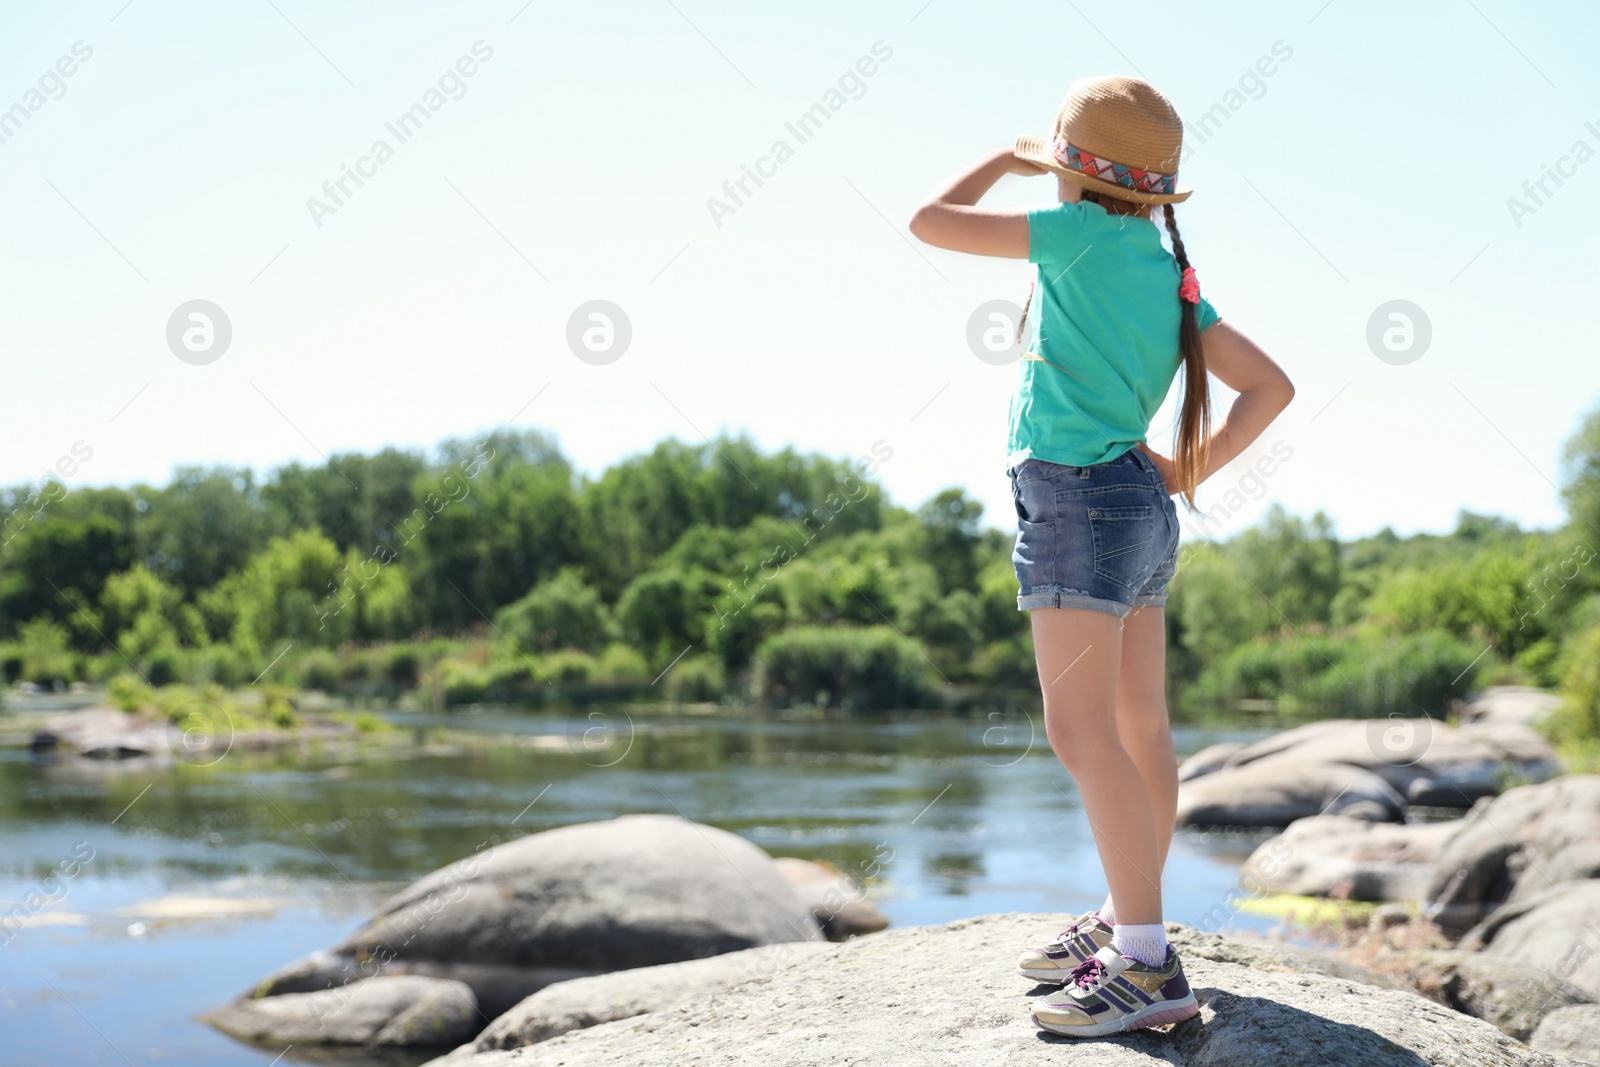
point(1374, 164)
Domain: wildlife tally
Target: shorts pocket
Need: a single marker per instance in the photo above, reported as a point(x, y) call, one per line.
point(1123, 542)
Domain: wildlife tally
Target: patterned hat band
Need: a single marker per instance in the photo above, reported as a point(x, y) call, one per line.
point(1135, 178)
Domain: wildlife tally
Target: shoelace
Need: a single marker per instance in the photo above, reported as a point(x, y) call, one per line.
point(1066, 935)
point(1088, 974)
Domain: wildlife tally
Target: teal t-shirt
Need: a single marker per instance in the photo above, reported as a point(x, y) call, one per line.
point(1105, 316)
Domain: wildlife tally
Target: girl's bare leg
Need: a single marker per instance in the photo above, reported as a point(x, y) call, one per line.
point(1142, 716)
point(1079, 654)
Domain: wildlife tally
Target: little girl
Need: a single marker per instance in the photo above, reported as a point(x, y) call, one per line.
point(1097, 541)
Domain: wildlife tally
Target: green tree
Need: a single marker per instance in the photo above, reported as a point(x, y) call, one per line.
point(286, 592)
point(1293, 563)
point(562, 611)
point(1581, 476)
point(202, 526)
point(951, 535)
point(141, 613)
point(57, 569)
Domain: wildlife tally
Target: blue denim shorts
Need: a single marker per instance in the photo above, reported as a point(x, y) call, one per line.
point(1102, 538)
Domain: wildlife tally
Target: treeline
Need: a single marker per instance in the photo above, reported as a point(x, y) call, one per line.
point(491, 571)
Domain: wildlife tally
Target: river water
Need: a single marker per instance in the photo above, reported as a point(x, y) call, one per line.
point(190, 882)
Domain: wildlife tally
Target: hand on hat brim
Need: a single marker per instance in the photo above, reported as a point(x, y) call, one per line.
point(1026, 167)
point(1034, 150)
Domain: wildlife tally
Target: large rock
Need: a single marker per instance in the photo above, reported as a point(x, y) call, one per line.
point(1557, 931)
point(1523, 842)
point(948, 996)
point(1353, 859)
point(1208, 759)
point(1573, 1032)
point(585, 1002)
point(1330, 766)
point(1516, 704)
point(837, 901)
point(373, 1011)
point(1279, 791)
point(1516, 997)
point(575, 901)
point(105, 734)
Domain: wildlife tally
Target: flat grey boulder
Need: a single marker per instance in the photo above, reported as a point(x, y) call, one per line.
point(1420, 760)
point(1353, 859)
point(585, 1002)
point(949, 996)
point(373, 1011)
point(575, 901)
point(1277, 792)
point(1573, 1032)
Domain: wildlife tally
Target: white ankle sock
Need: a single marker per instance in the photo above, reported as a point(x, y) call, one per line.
point(1108, 912)
point(1146, 943)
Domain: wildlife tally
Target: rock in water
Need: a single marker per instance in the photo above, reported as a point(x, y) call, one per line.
point(1331, 765)
point(375, 1011)
point(579, 900)
point(948, 996)
point(1517, 704)
point(837, 901)
point(1276, 792)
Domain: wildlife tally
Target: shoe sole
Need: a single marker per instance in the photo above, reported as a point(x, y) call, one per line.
point(1151, 1015)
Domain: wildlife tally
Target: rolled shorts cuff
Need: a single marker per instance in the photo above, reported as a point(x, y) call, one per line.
point(1066, 598)
point(1156, 600)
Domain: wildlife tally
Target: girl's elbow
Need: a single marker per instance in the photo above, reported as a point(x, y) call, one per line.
point(922, 222)
point(1285, 393)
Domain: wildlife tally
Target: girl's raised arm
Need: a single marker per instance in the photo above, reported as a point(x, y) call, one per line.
point(950, 218)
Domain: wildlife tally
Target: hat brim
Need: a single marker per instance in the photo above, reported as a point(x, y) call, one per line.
point(1035, 150)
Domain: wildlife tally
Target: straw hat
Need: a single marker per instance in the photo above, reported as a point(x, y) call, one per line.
point(1117, 136)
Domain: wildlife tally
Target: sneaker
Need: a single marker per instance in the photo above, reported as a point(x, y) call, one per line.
point(1109, 993)
point(1055, 962)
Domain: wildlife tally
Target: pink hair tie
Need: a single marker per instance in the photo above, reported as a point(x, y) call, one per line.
point(1189, 289)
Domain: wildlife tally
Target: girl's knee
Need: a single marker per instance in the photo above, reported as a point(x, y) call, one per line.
point(1078, 748)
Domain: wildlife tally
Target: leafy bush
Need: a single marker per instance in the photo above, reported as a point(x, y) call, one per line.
point(164, 665)
point(43, 654)
point(559, 612)
point(221, 665)
point(1413, 673)
point(1577, 722)
point(403, 666)
point(622, 664)
point(320, 669)
point(870, 668)
point(129, 693)
point(567, 666)
point(695, 678)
